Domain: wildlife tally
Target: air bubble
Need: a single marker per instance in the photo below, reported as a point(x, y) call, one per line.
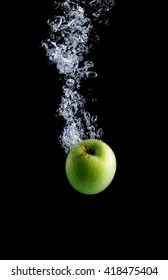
point(70, 82)
point(91, 74)
point(58, 21)
point(88, 64)
point(52, 36)
point(94, 100)
point(67, 48)
point(87, 115)
point(94, 119)
point(100, 133)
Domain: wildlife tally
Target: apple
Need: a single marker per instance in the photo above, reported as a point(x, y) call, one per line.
point(90, 166)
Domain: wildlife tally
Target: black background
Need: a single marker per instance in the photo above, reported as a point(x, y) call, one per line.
point(42, 216)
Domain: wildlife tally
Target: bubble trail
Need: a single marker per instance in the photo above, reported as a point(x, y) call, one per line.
point(67, 47)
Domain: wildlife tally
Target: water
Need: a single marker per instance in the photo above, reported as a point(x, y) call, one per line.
point(67, 47)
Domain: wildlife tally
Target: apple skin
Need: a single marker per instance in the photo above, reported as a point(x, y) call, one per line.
point(90, 166)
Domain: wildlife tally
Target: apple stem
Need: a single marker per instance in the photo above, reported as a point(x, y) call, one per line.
point(88, 151)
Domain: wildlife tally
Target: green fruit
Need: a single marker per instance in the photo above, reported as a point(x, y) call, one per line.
point(90, 166)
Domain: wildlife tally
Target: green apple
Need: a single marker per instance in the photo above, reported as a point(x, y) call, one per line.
point(90, 166)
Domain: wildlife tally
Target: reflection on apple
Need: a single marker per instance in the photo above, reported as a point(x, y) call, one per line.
point(90, 166)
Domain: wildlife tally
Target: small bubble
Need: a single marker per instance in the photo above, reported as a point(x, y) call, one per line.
point(52, 36)
point(96, 15)
point(94, 119)
point(91, 128)
point(87, 115)
point(88, 64)
point(70, 82)
point(91, 74)
point(56, 23)
point(94, 100)
point(99, 133)
point(49, 21)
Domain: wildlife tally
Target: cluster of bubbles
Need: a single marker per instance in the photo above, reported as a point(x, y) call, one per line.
point(67, 47)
